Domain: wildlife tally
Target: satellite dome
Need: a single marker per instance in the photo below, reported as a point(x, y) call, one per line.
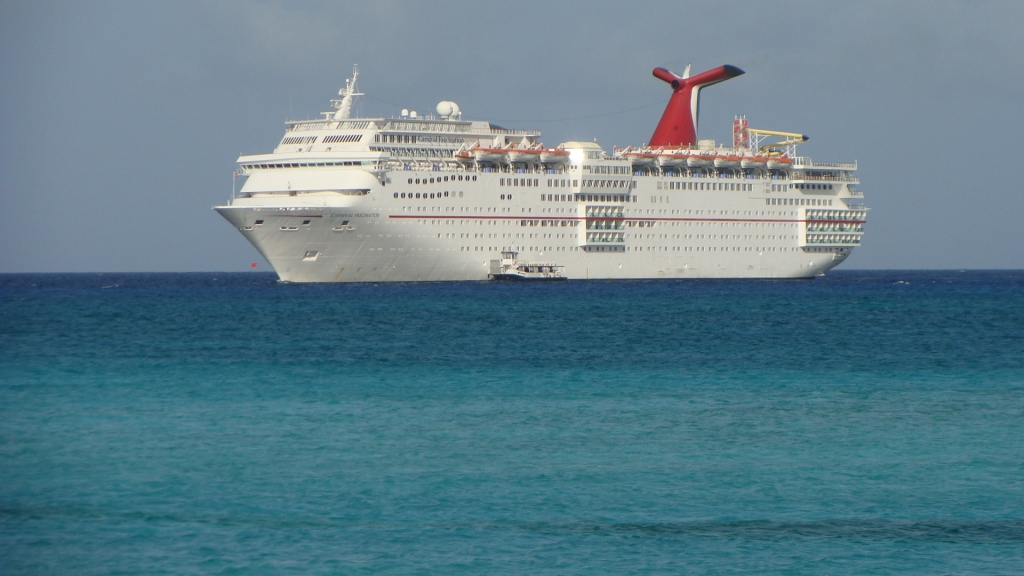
point(447, 109)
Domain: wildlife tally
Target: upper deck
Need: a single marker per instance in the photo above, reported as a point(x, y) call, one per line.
point(446, 142)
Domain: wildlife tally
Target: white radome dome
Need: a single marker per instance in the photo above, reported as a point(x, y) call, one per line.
point(447, 109)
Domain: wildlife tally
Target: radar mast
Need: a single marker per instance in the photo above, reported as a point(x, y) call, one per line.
point(344, 104)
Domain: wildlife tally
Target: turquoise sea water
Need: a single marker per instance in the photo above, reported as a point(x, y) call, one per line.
point(859, 423)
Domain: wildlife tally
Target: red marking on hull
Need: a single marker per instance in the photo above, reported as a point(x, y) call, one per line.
point(637, 218)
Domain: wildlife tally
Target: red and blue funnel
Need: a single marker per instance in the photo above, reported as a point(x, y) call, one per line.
point(678, 124)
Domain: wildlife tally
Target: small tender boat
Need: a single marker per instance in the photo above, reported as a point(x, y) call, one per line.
point(554, 156)
point(779, 163)
point(753, 162)
point(524, 153)
point(727, 161)
point(510, 268)
point(641, 158)
point(671, 159)
point(520, 156)
point(699, 161)
point(488, 154)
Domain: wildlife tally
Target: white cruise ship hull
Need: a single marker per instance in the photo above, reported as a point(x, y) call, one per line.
point(327, 236)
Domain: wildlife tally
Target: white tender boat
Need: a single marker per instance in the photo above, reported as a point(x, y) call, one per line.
point(698, 161)
point(779, 163)
point(727, 162)
point(671, 159)
point(752, 162)
point(510, 268)
point(554, 156)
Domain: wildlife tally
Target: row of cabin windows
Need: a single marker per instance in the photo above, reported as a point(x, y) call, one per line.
point(458, 178)
point(784, 187)
point(426, 195)
point(587, 198)
point(342, 138)
point(609, 169)
point(415, 152)
point(607, 184)
point(298, 140)
point(395, 138)
point(728, 186)
point(304, 164)
point(518, 182)
point(797, 202)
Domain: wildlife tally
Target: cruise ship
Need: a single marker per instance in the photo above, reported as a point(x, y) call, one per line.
point(435, 197)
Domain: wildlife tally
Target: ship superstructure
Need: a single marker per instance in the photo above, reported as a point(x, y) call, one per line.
point(436, 197)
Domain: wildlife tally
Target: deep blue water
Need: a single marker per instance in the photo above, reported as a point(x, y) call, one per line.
point(859, 423)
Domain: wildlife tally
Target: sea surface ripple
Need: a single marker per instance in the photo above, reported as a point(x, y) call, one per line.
point(857, 423)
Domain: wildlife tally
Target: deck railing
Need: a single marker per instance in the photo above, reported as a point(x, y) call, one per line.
point(805, 162)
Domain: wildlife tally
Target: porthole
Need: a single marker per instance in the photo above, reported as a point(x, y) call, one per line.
point(410, 180)
point(445, 193)
point(396, 194)
point(403, 194)
point(460, 177)
point(474, 180)
point(460, 193)
point(509, 196)
point(417, 194)
point(445, 178)
point(417, 180)
point(431, 180)
point(502, 196)
point(431, 194)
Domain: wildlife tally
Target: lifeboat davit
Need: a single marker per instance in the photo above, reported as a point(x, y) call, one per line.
point(464, 156)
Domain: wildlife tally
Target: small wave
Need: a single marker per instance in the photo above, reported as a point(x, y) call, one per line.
point(927, 530)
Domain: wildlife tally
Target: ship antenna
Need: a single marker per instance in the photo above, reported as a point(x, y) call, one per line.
point(344, 105)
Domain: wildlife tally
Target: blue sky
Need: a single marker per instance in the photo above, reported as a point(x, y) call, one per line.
point(122, 120)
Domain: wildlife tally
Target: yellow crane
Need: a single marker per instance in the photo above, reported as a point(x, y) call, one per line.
point(791, 138)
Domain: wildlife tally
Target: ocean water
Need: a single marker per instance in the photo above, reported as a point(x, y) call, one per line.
point(857, 423)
